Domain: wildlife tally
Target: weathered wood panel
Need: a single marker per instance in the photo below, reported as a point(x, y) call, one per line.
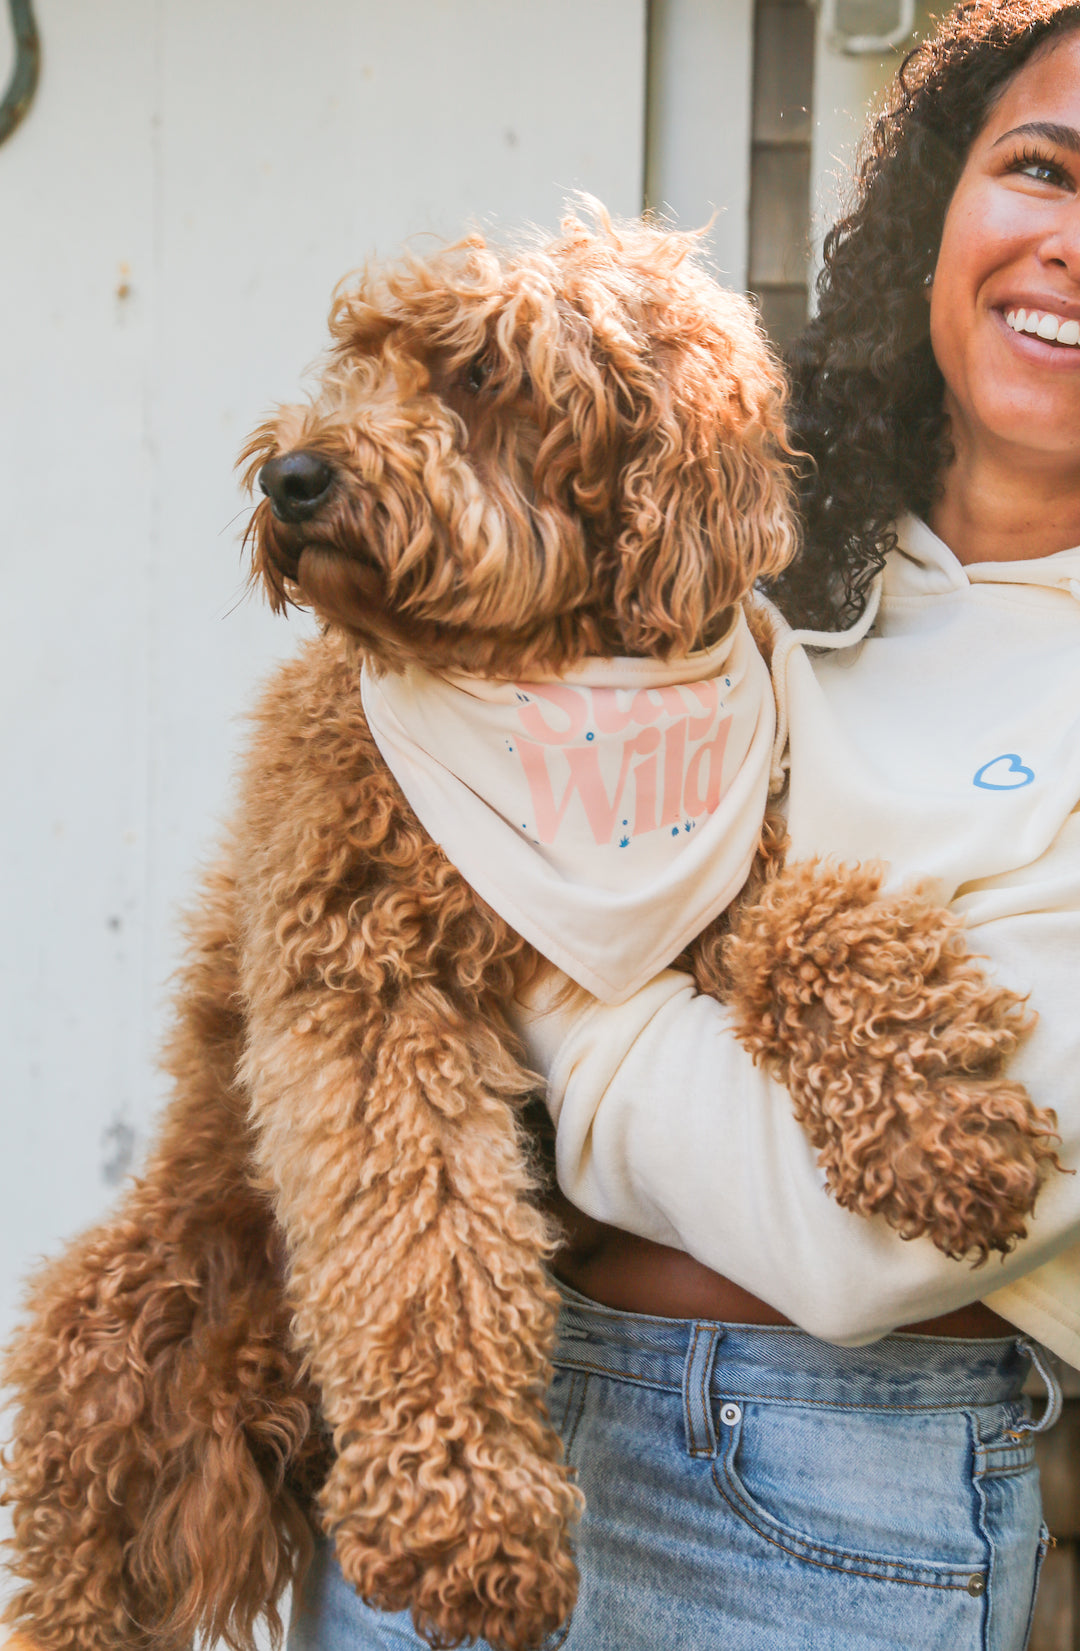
point(192, 179)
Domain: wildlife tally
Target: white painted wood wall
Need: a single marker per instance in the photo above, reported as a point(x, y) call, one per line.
point(192, 179)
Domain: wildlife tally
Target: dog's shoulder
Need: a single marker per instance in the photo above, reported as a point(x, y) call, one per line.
point(310, 715)
point(311, 768)
point(323, 829)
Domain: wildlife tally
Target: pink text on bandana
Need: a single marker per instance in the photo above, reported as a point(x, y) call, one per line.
point(672, 747)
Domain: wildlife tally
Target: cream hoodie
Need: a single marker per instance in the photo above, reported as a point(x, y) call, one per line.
point(948, 743)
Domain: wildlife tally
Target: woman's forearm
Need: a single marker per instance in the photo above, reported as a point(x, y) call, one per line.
point(667, 1129)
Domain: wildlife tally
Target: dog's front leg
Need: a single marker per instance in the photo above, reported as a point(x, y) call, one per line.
point(891, 1039)
point(392, 1138)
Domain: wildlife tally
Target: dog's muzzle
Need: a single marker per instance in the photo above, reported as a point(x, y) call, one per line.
point(297, 484)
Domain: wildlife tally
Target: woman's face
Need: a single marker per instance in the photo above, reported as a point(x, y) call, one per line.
point(1010, 252)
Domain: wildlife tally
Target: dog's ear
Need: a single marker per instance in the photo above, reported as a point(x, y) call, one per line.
point(704, 507)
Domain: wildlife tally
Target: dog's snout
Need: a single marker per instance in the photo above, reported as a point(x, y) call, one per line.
point(296, 484)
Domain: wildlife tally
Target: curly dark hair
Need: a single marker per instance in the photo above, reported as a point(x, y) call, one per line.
point(867, 407)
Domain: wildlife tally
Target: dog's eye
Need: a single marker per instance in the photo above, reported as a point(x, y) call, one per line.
point(476, 375)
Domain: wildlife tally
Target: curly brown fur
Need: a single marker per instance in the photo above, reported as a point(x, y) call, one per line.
point(572, 449)
point(519, 459)
point(569, 450)
point(891, 1041)
point(165, 1441)
point(385, 1097)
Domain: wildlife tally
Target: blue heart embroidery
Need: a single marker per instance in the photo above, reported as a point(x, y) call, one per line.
point(1011, 773)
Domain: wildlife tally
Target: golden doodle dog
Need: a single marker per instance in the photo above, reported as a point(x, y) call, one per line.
point(327, 1293)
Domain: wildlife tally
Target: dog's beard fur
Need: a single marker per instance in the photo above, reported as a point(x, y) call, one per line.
point(575, 449)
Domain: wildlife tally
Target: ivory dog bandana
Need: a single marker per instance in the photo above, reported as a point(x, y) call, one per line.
point(608, 814)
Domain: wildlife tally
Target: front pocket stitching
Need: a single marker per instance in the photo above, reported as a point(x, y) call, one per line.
point(874, 1576)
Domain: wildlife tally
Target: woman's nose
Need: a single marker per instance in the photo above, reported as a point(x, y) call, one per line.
point(296, 484)
point(1062, 245)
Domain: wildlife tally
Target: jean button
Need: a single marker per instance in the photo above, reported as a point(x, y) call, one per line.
point(976, 1586)
point(730, 1415)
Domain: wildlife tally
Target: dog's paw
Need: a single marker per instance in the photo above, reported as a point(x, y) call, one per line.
point(891, 1038)
point(502, 1591)
point(825, 967)
point(513, 1603)
point(480, 1550)
point(961, 1163)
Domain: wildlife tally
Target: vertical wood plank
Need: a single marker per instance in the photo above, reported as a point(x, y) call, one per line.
point(698, 134)
point(192, 180)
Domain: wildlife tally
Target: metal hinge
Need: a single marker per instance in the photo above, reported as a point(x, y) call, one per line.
point(868, 27)
point(20, 90)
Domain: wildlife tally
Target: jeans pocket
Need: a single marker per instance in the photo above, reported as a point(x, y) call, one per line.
point(793, 1476)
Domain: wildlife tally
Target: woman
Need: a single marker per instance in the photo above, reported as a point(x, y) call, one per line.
point(748, 1485)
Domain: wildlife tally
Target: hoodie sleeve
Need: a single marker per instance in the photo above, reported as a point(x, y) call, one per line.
point(667, 1129)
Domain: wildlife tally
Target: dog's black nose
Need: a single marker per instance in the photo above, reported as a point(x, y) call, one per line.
point(296, 484)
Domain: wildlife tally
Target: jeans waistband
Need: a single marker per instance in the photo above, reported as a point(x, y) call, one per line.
point(745, 1361)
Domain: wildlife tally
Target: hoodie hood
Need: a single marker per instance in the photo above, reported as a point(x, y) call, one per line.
point(923, 565)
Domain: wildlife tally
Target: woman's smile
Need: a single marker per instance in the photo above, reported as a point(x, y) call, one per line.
point(1051, 328)
point(1045, 338)
point(1005, 299)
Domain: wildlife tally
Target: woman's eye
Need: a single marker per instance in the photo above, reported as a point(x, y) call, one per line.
point(1039, 167)
point(476, 375)
point(1045, 174)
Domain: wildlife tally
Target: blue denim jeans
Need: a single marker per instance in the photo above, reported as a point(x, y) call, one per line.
point(756, 1490)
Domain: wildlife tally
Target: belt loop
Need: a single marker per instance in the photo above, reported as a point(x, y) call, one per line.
point(1041, 1362)
point(697, 1397)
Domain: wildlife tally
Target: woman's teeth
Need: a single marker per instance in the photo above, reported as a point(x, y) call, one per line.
point(1044, 325)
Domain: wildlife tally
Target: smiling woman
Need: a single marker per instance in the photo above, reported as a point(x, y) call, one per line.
point(766, 1463)
point(868, 392)
point(939, 408)
point(936, 396)
point(1004, 315)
